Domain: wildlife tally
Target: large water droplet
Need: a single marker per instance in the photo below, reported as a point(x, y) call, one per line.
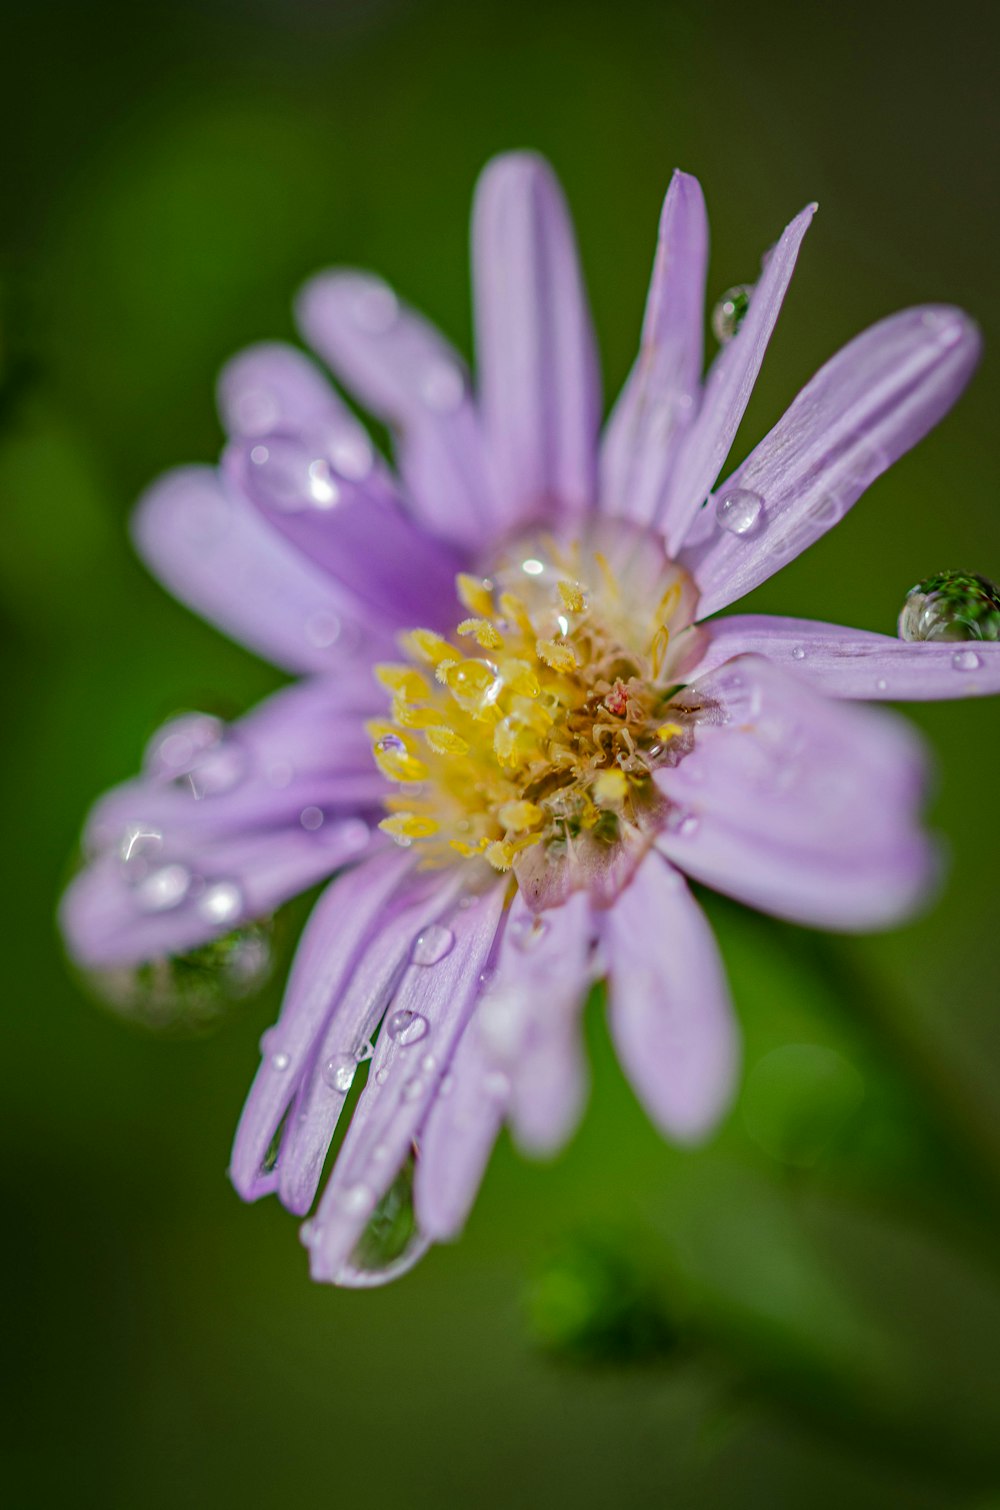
point(391, 1238)
point(432, 944)
point(406, 1027)
point(339, 1072)
point(475, 684)
point(730, 312)
point(189, 993)
point(284, 475)
point(966, 660)
point(953, 605)
point(738, 510)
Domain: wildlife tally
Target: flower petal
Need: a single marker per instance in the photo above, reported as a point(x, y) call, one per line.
point(796, 804)
point(211, 549)
point(356, 1009)
point(670, 1013)
point(271, 385)
point(342, 924)
point(660, 396)
point(728, 387)
point(521, 1054)
point(408, 375)
point(538, 370)
point(873, 401)
point(854, 663)
point(356, 531)
point(405, 1079)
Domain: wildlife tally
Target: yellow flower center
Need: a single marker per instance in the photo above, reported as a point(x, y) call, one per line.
point(538, 724)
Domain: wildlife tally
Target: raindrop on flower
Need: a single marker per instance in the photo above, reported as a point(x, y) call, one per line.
point(280, 1061)
point(966, 660)
point(798, 654)
point(323, 629)
point(311, 818)
point(952, 605)
point(222, 902)
point(390, 1237)
point(407, 1027)
point(283, 475)
point(739, 511)
point(163, 889)
point(528, 933)
point(339, 1072)
point(432, 944)
point(730, 312)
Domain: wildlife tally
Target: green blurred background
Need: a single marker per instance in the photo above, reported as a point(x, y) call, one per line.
point(808, 1310)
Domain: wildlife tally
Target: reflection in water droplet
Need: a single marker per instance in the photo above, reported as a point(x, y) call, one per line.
point(190, 993)
point(405, 1027)
point(432, 944)
point(953, 605)
point(475, 684)
point(391, 1238)
point(730, 312)
point(966, 660)
point(339, 1072)
point(739, 511)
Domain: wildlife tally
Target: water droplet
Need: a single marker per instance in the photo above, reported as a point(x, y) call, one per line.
point(283, 475)
point(311, 818)
point(730, 312)
point(533, 567)
point(685, 825)
point(391, 1237)
point(953, 605)
point(447, 1085)
point(739, 511)
point(353, 835)
point(475, 684)
point(375, 307)
point(966, 660)
point(428, 1064)
point(381, 1076)
point(190, 993)
point(363, 1051)
point(140, 845)
point(390, 744)
point(412, 1088)
point(407, 1027)
point(164, 888)
point(269, 1162)
point(527, 933)
point(881, 685)
point(323, 629)
point(442, 387)
point(798, 654)
point(352, 455)
point(496, 1085)
point(432, 944)
point(339, 1072)
point(310, 1233)
point(222, 902)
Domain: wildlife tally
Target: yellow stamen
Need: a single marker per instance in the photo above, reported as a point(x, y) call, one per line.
point(573, 599)
point(445, 741)
point(520, 816)
point(557, 655)
point(474, 594)
point(610, 787)
point(482, 631)
point(425, 645)
point(409, 826)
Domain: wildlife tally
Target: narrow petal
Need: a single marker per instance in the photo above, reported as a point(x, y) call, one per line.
point(873, 401)
point(799, 805)
point(538, 370)
point(346, 917)
point(408, 375)
point(670, 1013)
point(213, 551)
point(194, 893)
point(355, 1012)
point(520, 1055)
point(405, 1079)
point(854, 663)
point(660, 397)
point(728, 387)
point(356, 531)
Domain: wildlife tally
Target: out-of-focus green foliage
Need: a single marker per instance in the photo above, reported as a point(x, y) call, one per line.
point(807, 1311)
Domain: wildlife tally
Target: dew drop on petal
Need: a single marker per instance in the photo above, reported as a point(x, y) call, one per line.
point(381, 1076)
point(163, 889)
point(730, 312)
point(952, 605)
point(966, 660)
point(432, 944)
point(798, 654)
point(323, 629)
point(527, 933)
point(339, 1072)
point(311, 818)
point(221, 902)
point(280, 1061)
point(413, 1088)
point(391, 1236)
point(406, 1027)
point(739, 511)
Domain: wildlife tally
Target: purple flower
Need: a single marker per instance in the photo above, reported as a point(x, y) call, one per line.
point(514, 734)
